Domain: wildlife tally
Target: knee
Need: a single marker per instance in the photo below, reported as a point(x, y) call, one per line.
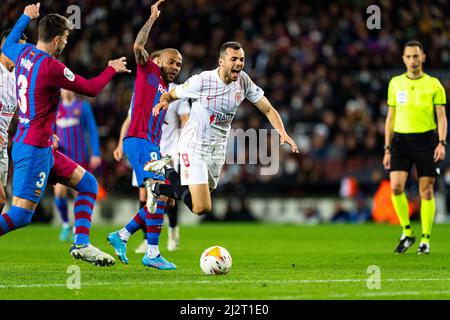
point(201, 209)
point(427, 193)
point(170, 203)
point(88, 183)
point(20, 217)
point(397, 189)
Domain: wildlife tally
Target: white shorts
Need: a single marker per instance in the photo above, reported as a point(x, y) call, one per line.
point(4, 161)
point(196, 169)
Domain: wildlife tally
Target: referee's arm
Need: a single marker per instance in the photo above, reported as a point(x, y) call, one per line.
point(388, 133)
point(439, 151)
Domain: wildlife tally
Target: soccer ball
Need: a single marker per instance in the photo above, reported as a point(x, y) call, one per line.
point(215, 260)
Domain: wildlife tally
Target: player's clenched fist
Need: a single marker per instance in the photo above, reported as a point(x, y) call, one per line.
point(120, 65)
point(32, 10)
point(154, 10)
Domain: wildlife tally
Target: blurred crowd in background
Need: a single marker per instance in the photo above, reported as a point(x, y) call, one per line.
point(318, 63)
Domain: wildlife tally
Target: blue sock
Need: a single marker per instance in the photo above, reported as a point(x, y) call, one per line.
point(84, 207)
point(154, 222)
point(137, 222)
point(16, 218)
point(61, 205)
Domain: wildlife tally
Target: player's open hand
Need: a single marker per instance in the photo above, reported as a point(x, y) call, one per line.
point(32, 10)
point(286, 139)
point(118, 153)
point(157, 108)
point(154, 10)
point(387, 160)
point(439, 153)
point(55, 141)
point(120, 65)
point(95, 162)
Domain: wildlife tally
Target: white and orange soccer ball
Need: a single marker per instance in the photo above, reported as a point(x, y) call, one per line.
point(215, 260)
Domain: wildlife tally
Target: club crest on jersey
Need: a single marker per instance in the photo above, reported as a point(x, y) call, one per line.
point(238, 95)
point(69, 74)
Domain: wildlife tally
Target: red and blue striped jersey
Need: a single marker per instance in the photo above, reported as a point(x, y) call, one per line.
point(39, 78)
point(148, 88)
point(77, 131)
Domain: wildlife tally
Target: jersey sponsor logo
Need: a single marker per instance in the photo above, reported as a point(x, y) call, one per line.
point(402, 97)
point(69, 74)
point(27, 64)
point(218, 117)
point(67, 122)
point(161, 89)
point(185, 84)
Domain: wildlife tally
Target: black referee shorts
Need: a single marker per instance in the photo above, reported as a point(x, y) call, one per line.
point(415, 148)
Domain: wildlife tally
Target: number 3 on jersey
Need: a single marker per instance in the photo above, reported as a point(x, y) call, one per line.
point(40, 182)
point(22, 83)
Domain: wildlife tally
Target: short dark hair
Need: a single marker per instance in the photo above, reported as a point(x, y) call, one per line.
point(155, 54)
point(6, 33)
point(53, 25)
point(413, 43)
point(230, 44)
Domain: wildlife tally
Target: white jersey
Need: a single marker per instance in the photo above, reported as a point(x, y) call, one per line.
point(171, 127)
point(214, 106)
point(8, 102)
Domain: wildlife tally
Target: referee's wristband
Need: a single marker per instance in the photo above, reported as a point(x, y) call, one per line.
point(443, 142)
point(387, 148)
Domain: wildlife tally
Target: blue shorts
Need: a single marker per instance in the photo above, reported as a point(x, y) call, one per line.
point(140, 151)
point(32, 166)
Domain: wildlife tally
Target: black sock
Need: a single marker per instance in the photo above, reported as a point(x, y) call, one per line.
point(180, 192)
point(165, 190)
point(142, 204)
point(186, 197)
point(172, 214)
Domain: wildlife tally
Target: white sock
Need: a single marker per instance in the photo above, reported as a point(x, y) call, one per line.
point(152, 251)
point(124, 234)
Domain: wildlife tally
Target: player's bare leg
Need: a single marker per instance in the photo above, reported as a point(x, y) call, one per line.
point(398, 181)
point(201, 198)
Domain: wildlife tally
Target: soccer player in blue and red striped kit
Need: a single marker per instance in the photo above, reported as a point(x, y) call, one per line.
point(141, 143)
point(39, 79)
point(78, 139)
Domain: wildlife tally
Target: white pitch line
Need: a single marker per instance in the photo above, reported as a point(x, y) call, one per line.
point(218, 282)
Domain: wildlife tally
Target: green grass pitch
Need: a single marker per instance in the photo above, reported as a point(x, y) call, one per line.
point(269, 262)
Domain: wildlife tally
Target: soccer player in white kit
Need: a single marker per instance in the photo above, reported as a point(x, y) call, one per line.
point(216, 96)
point(8, 107)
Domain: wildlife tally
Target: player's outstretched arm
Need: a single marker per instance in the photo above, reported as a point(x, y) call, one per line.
point(60, 76)
point(11, 47)
point(140, 53)
point(274, 118)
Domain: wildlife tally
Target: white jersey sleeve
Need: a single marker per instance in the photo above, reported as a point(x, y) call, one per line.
point(183, 107)
point(251, 91)
point(191, 88)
